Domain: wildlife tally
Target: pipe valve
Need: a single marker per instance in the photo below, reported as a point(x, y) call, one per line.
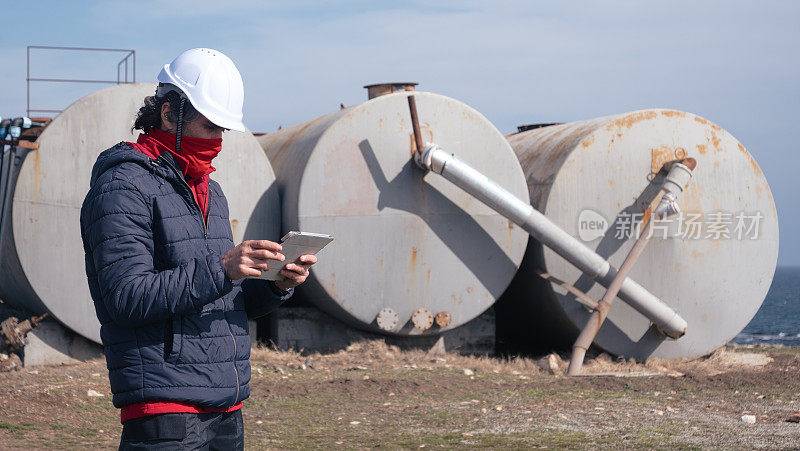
point(678, 177)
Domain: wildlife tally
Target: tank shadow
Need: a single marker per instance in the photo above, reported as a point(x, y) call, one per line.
point(462, 235)
point(261, 212)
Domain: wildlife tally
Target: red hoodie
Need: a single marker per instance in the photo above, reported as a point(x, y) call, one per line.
point(195, 163)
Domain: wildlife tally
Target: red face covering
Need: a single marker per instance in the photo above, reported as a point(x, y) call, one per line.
point(195, 154)
point(194, 159)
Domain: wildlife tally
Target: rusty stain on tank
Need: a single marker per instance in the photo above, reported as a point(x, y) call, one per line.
point(540, 150)
point(716, 142)
point(707, 122)
point(673, 113)
point(629, 120)
point(701, 149)
point(661, 155)
point(588, 141)
point(414, 251)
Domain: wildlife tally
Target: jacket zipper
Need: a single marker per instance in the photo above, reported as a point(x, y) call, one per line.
point(205, 239)
point(207, 218)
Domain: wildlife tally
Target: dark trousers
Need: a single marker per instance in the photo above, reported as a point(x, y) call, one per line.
point(206, 431)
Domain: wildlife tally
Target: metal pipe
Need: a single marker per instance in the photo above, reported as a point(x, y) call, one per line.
point(71, 80)
point(549, 234)
point(580, 296)
point(27, 82)
point(677, 178)
point(600, 313)
point(94, 49)
point(13, 332)
point(412, 107)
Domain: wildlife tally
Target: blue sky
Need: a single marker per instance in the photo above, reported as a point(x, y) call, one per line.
point(735, 63)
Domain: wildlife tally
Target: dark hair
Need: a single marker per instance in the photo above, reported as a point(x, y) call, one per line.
point(149, 115)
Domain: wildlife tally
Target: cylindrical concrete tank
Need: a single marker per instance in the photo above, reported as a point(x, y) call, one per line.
point(43, 259)
point(409, 248)
point(592, 178)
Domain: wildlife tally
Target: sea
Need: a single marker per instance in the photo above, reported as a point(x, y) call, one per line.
point(778, 319)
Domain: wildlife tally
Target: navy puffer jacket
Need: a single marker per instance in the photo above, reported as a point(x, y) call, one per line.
point(173, 327)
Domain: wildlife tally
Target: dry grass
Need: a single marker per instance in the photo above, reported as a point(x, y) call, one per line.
point(372, 394)
point(378, 353)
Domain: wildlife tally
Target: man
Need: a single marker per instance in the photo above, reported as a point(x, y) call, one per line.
point(167, 282)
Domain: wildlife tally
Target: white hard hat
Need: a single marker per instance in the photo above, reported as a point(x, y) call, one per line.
point(211, 82)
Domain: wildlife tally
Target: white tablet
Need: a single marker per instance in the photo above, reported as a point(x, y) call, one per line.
point(294, 245)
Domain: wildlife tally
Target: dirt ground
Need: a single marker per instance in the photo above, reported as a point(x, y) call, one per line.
point(374, 395)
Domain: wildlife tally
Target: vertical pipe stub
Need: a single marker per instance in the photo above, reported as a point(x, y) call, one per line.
point(381, 89)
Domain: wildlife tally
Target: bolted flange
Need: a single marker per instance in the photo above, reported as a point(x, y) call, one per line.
point(387, 319)
point(443, 319)
point(422, 318)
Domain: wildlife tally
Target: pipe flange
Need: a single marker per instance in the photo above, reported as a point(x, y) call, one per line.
point(443, 319)
point(423, 158)
point(387, 319)
point(422, 318)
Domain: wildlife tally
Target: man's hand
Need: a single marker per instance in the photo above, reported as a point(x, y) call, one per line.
point(250, 258)
point(296, 273)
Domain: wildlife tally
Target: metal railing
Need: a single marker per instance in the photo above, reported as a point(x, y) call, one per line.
point(126, 67)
